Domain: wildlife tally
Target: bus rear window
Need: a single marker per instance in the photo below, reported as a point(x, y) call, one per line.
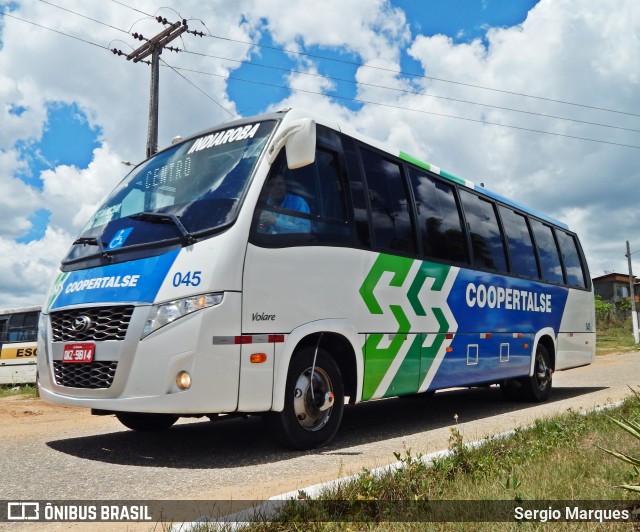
point(571, 259)
point(548, 252)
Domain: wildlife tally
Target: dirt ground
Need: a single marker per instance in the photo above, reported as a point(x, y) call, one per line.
point(32, 415)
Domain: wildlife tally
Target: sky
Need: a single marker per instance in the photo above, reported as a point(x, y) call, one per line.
point(538, 100)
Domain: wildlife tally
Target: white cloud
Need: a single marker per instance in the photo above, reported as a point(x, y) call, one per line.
point(562, 52)
point(362, 26)
point(567, 50)
point(64, 185)
point(28, 269)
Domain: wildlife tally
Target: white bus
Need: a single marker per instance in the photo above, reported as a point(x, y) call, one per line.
point(283, 264)
point(18, 345)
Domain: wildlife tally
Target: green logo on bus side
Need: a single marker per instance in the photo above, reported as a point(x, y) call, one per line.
point(403, 372)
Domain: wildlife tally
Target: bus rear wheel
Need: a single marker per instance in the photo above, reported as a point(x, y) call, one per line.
point(146, 422)
point(538, 387)
point(314, 402)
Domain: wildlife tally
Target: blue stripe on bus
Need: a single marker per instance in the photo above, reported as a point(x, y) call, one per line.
point(517, 205)
point(135, 281)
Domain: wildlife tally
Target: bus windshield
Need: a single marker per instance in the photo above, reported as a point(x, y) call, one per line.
point(186, 191)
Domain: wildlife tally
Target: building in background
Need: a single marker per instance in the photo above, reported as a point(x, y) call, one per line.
point(614, 287)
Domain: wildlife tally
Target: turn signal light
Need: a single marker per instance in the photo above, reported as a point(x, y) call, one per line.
point(258, 358)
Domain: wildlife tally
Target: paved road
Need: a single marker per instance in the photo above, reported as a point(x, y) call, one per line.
point(64, 453)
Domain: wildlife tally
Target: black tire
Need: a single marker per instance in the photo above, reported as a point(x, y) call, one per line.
point(309, 420)
point(538, 387)
point(146, 422)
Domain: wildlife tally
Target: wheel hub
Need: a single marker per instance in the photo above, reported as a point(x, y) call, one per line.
point(313, 399)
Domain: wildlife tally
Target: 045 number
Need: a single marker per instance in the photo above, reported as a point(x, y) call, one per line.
point(187, 278)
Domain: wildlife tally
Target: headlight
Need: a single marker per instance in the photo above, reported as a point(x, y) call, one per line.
point(165, 313)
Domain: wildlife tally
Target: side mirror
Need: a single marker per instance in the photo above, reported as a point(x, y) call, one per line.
point(299, 139)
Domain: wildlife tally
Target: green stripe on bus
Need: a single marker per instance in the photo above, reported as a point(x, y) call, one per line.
point(454, 178)
point(379, 360)
point(411, 159)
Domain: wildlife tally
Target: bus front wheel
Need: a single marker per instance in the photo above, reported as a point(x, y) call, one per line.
point(314, 401)
point(146, 422)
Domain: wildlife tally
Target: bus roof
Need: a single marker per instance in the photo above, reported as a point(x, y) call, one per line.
point(473, 186)
point(303, 113)
point(34, 308)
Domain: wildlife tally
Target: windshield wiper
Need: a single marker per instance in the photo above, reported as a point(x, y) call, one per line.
point(160, 217)
point(92, 241)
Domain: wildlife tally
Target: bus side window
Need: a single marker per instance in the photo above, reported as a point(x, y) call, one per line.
point(389, 201)
point(303, 205)
point(358, 193)
point(484, 230)
point(519, 243)
point(548, 252)
point(331, 202)
point(23, 327)
point(571, 258)
point(439, 218)
point(4, 335)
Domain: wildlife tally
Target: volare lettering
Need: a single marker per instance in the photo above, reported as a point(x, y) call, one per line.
point(262, 317)
point(499, 297)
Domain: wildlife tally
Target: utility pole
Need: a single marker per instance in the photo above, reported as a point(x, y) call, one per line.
point(634, 314)
point(153, 47)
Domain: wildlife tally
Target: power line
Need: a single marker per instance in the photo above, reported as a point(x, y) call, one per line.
point(407, 91)
point(422, 76)
point(357, 100)
point(55, 31)
point(369, 102)
point(132, 8)
point(397, 71)
point(176, 70)
point(410, 74)
point(114, 51)
point(83, 16)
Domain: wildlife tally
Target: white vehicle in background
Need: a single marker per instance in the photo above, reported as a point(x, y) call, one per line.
point(18, 345)
point(280, 264)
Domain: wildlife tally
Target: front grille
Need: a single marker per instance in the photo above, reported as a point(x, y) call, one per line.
point(106, 323)
point(94, 375)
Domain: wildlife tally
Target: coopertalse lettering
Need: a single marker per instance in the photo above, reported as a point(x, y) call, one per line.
point(114, 281)
point(499, 297)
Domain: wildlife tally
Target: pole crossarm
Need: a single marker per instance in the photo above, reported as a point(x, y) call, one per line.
point(153, 47)
point(158, 42)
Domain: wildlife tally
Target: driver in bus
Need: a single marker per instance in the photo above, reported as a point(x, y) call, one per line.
point(277, 196)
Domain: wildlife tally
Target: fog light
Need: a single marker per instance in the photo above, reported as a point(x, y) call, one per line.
point(183, 380)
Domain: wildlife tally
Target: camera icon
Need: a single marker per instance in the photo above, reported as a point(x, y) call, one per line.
point(23, 511)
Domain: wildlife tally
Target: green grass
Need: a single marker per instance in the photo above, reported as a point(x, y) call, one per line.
point(26, 390)
point(615, 339)
point(560, 458)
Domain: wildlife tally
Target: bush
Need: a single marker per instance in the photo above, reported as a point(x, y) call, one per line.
point(633, 429)
point(605, 313)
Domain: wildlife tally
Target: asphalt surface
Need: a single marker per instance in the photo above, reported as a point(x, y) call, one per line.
point(52, 453)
